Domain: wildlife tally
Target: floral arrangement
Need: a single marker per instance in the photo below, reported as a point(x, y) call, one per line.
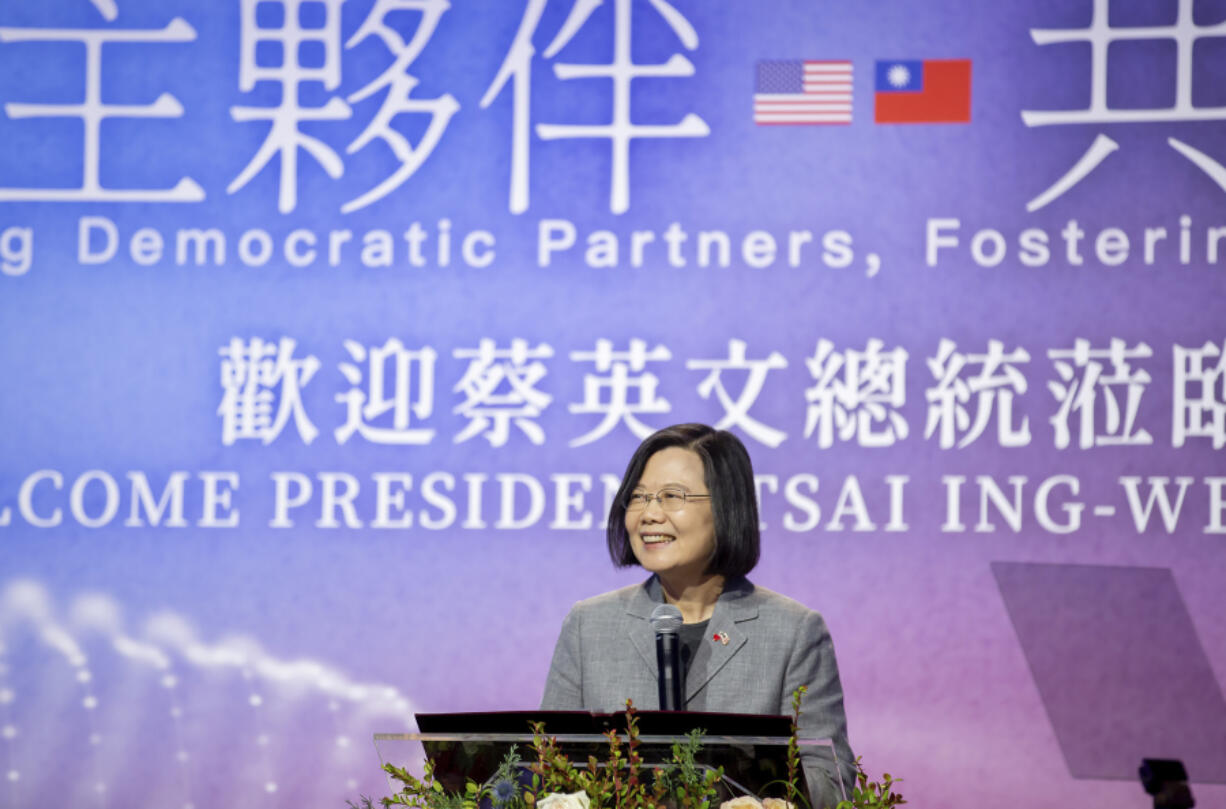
point(621, 781)
point(868, 794)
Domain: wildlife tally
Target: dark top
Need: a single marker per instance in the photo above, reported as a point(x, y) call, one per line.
point(691, 636)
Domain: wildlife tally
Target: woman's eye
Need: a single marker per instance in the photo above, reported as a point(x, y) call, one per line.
point(672, 497)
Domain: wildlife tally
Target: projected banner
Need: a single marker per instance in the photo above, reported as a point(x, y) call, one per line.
point(329, 328)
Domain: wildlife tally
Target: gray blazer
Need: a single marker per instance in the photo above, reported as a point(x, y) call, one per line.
point(606, 653)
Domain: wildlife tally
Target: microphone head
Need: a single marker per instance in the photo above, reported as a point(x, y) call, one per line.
point(666, 619)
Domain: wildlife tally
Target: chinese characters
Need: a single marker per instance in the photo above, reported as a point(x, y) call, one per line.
point(1094, 394)
point(1100, 35)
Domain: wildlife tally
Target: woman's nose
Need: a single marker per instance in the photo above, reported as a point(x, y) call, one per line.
point(654, 509)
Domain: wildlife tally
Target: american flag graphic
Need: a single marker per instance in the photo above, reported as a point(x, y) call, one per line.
point(795, 91)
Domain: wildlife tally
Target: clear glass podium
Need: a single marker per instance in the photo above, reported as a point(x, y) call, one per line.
point(752, 750)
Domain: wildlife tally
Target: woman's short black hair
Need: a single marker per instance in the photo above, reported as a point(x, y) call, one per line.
point(729, 479)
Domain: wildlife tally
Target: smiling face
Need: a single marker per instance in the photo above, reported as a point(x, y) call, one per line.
point(675, 544)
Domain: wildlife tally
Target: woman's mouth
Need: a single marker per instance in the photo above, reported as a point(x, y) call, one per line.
point(656, 539)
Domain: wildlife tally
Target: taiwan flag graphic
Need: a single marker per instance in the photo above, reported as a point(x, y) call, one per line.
point(932, 91)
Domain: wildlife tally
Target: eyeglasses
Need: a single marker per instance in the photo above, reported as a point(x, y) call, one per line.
point(669, 499)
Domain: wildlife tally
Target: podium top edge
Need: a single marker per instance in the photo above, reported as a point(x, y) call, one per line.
point(588, 738)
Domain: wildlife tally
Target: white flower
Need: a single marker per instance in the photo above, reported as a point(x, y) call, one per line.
point(556, 800)
point(743, 802)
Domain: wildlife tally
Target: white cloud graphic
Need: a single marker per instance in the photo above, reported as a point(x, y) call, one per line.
point(163, 717)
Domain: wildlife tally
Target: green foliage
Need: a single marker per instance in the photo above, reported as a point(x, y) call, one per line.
point(689, 785)
point(872, 794)
point(503, 789)
point(794, 794)
point(616, 783)
point(865, 794)
point(619, 782)
point(428, 793)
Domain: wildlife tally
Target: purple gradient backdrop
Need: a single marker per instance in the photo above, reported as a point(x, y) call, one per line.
point(115, 367)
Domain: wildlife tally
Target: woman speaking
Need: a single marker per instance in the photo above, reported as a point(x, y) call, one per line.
point(686, 511)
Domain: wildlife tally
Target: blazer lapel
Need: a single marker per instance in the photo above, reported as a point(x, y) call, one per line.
point(735, 606)
point(641, 602)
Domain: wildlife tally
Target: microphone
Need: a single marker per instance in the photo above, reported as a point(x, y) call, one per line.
point(666, 621)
